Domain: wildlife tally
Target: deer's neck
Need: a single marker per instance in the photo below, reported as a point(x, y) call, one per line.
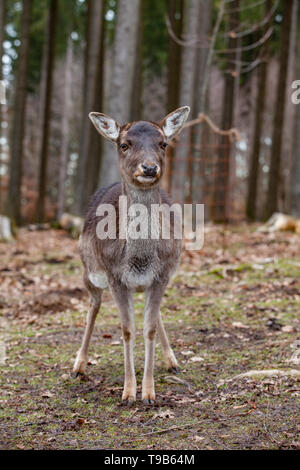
point(140, 262)
point(141, 196)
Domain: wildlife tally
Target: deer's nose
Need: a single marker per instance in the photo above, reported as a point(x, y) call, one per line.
point(149, 170)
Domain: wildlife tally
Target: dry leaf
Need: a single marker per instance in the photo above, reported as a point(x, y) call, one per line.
point(238, 324)
point(47, 394)
point(198, 438)
point(196, 359)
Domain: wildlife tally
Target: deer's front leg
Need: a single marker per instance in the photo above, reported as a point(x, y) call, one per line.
point(152, 307)
point(123, 299)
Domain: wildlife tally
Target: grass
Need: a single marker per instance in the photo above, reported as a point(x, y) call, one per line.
point(225, 313)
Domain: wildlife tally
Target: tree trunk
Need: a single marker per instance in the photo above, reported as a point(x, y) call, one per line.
point(18, 126)
point(186, 96)
point(2, 32)
point(196, 181)
point(137, 89)
point(2, 36)
point(257, 138)
point(49, 52)
point(289, 121)
point(125, 44)
point(176, 13)
point(97, 144)
point(220, 198)
point(295, 175)
point(274, 175)
point(88, 167)
point(65, 130)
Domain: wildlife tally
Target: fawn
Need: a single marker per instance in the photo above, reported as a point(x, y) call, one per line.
point(128, 265)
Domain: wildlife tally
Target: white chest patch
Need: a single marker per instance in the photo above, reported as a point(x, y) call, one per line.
point(99, 279)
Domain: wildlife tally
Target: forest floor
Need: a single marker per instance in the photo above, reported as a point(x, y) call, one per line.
point(232, 308)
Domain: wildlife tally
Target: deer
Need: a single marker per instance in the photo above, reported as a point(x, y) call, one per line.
point(127, 265)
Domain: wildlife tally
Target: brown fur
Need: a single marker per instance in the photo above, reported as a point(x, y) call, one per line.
point(130, 265)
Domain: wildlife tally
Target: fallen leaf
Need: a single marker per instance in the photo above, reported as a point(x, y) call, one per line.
point(47, 394)
point(186, 353)
point(198, 438)
point(196, 359)
point(80, 421)
point(238, 324)
point(288, 329)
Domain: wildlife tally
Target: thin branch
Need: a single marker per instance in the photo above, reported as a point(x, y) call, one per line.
point(247, 7)
point(210, 55)
point(232, 133)
point(253, 66)
point(246, 67)
point(256, 44)
point(256, 26)
point(182, 42)
point(195, 42)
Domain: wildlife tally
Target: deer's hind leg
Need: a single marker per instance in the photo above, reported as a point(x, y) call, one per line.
point(169, 355)
point(82, 355)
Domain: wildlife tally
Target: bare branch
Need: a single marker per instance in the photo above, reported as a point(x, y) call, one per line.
point(247, 7)
point(256, 44)
point(210, 55)
point(231, 133)
point(182, 42)
point(256, 26)
point(253, 65)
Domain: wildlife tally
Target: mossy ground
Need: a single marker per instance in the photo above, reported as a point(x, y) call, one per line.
point(232, 308)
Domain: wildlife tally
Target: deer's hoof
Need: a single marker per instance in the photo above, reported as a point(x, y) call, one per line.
point(129, 401)
point(80, 366)
point(174, 370)
point(81, 375)
point(148, 401)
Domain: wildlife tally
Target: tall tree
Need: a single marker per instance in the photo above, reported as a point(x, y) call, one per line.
point(201, 85)
point(125, 44)
point(295, 172)
point(2, 35)
point(137, 89)
point(88, 167)
point(65, 130)
point(220, 196)
point(97, 144)
point(271, 205)
point(18, 126)
point(48, 63)
point(2, 32)
point(176, 13)
point(186, 94)
point(262, 74)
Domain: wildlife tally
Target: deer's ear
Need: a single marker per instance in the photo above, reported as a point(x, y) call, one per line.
point(106, 126)
point(173, 122)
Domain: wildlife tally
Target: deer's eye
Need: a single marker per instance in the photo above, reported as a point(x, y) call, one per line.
point(164, 145)
point(124, 147)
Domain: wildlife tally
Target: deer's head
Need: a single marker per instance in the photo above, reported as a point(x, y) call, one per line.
point(141, 145)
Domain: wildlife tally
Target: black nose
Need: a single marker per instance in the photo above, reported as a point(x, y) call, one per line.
point(150, 170)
